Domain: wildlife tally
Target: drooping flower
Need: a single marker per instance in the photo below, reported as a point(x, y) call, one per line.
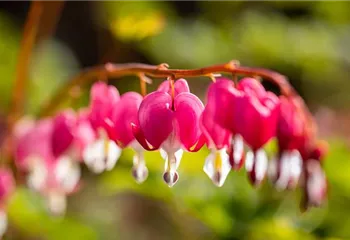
point(7, 188)
point(71, 134)
point(251, 112)
point(285, 170)
point(103, 153)
point(217, 164)
point(223, 96)
point(53, 177)
point(124, 113)
point(315, 182)
point(170, 121)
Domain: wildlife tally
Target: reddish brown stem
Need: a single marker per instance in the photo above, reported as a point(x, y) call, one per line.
point(119, 70)
point(27, 44)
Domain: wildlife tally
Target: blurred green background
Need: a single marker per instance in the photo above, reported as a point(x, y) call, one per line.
point(307, 41)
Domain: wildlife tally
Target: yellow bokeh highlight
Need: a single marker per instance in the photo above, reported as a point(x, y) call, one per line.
point(138, 26)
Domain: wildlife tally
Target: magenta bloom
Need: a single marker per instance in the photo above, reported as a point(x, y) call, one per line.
point(124, 113)
point(315, 186)
point(71, 134)
point(54, 177)
point(103, 153)
point(170, 124)
point(217, 165)
point(251, 112)
point(103, 99)
point(285, 171)
point(222, 95)
point(33, 144)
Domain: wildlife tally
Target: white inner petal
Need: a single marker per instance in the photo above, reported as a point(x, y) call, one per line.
point(113, 154)
point(260, 164)
point(57, 203)
point(316, 182)
point(212, 167)
point(101, 155)
point(249, 160)
point(178, 156)
point(139, 166)
point(67, 173)
point(226, 166)
point(295, 164)
point(38, 174)
point(136, 146)
point(282, 181)
point(238, 148)
point(171, 144)
point(3, 222)
point(208, 167)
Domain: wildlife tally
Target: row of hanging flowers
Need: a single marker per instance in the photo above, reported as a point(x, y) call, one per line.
point(238, 119)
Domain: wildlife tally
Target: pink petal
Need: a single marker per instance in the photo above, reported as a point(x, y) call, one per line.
point(62, 135)
point(217, 136)
point(290, 126)
point(188, 109)
point(140, 137)
point(22, 127)
point(7, 185)
point(125, 113)
point(102, 100)
point(258, 119)
point(37, 142)
point(251, 86)
point(199, 144)
point(156, 117)
point(84, 135)
point(180, 86)
point(222, 95)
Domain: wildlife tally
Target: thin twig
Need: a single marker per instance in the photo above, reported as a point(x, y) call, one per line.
point(26, 47)
point(119, 70)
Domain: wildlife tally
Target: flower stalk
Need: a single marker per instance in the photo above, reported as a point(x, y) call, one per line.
point(119, 70)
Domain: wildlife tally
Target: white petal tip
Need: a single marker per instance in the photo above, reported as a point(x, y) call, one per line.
point(57, 203)
point(140, 174)
point(217, 167)
point(170, 178)
point(101, 155)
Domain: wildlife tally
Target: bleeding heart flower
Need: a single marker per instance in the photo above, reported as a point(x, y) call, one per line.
point(124, 113)
point(315, 186)
point(103, 99)
point(103, 153)
point(71, 135)
point(286, 169)
point(51, 176)
point(34, 143)
point(170, 123)
point(259, 113)
point(251, 112)
point(222, 95)
point(7, 188)
point(315, 182)
point(217, 165)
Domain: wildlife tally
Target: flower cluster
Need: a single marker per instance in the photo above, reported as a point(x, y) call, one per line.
point(236, 123)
